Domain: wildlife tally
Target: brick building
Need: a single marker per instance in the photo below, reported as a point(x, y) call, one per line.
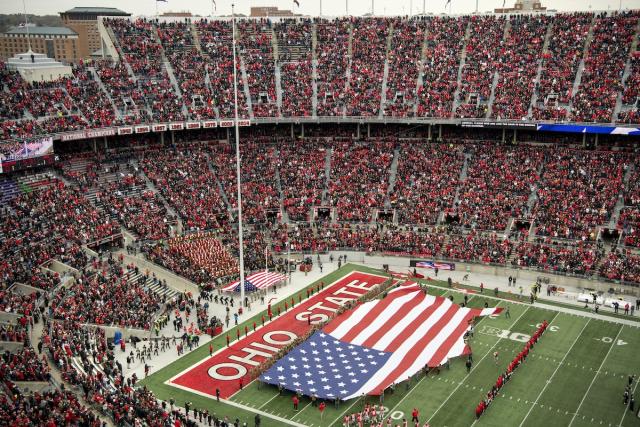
point(84, 21)
point(59, 43)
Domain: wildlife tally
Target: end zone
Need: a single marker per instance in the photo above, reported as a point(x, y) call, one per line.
point(230, 366)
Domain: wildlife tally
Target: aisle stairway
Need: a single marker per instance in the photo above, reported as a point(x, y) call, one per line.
point(585, 51)
point(496, 76)
point(545, 50)
point(463, 59)
point(327, 174)
point(314, 69)
point(393, 172)
point(627, 73)
point(157, 288)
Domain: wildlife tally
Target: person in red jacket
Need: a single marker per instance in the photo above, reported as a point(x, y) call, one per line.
point(414, 416)
point(295, 402)
point(321, 408)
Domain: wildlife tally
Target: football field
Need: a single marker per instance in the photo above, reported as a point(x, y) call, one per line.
point(574, 376)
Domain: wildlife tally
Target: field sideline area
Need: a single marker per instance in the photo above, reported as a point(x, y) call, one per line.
point(574, 376)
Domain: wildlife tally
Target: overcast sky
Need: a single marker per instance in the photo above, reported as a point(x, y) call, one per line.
point(311, 7)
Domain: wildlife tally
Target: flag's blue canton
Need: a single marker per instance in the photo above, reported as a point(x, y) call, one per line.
point(248, 287)
point(326, 367)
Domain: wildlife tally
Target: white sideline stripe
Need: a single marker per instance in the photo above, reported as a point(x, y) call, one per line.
point(554, 372)
point(238, 405)
point(613, 344)
point(475, 366)
point(264, 414)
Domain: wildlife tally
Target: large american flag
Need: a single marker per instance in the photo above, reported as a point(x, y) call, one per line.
point(378, 344)
point(256, 281)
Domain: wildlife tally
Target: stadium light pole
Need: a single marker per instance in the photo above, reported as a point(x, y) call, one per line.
point(235, 97)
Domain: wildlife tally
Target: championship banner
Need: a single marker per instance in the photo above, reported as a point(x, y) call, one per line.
point(209, 124)
point(98, 133)
point(225, 369)
point(125, 131)
point(193, 125)
point(159, 127)
point(176, 126)
point(143, 129)
point(432, 264)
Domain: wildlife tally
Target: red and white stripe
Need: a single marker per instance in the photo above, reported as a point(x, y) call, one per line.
point(418, 329)
point(260, 280)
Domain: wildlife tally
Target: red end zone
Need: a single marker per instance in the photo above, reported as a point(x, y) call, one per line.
point(225, 369)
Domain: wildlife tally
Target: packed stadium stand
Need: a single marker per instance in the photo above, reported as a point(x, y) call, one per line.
point(145, 162)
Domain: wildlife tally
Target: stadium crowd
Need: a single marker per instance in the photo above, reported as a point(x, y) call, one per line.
point(437, 67)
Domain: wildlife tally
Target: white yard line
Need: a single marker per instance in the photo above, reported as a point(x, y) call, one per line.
point(300, 411)
point(613, 344)
point(554, 373)
point(626, 407)
point(268, 401)
point(475, 366)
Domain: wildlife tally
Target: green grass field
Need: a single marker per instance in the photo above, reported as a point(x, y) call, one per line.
point(575, 376)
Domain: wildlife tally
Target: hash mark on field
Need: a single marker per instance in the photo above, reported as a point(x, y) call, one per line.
point(596, 376)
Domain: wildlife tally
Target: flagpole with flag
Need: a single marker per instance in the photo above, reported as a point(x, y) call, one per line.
point(235, 96)
point(26, 24)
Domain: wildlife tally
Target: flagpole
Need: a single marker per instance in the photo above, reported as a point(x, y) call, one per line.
point(235, 96)
point(26, 25)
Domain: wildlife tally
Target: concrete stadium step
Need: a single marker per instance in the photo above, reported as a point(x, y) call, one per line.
point(545, 50)
point(585, 50)
point(157, 288)
point(463, 59)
